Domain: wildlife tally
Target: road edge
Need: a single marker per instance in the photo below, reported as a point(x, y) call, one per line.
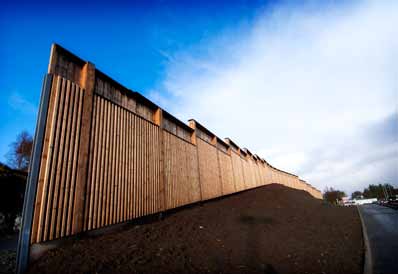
point(368, 265)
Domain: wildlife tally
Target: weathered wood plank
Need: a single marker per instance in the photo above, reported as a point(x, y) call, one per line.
point(88, 81)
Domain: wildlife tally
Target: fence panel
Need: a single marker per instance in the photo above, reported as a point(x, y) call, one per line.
point(124, 166)
point(181, 171)
point(238, 171)
point(53, 211)
point(226, 172)
point(209, 171)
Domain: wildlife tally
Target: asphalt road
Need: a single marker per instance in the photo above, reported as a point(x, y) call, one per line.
point(381, 227)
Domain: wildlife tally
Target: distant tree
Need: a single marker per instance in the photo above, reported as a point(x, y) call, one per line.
point(333, 195)
point(378, 191)
point(20, 150)
point(356, 195)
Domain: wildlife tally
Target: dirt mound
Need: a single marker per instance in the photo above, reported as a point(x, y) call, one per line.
point(272, 229)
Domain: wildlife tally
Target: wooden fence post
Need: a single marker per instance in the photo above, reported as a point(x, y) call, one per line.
point(87, 82)
point(192, 124)
point(158, 120)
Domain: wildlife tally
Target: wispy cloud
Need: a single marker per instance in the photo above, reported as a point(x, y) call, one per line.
point(19, 103)
point(305, 87)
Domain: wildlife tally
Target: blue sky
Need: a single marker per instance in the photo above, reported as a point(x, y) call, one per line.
point(310, 86)
point(127, 41)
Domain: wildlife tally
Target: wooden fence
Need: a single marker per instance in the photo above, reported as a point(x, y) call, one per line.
point(105, 154)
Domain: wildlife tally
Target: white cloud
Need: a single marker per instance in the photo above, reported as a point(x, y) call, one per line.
point(299, 87)
point(21, 104)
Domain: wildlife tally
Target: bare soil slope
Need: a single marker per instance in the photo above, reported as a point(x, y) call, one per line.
point(272, 229)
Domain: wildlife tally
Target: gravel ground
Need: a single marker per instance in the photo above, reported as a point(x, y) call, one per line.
point(8, 254)
point(271, 229)
point(7, 261)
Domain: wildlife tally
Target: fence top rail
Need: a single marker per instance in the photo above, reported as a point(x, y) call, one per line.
point(56, 66)
point(180, 123)
point(285, 172)
point(265, 162)
point(258, 158)
point(222, 142)
point(247, 151)
point(243, 153)
point(254, 158)
point(202, 128)
point(145, 101)
point(128, 92)
point(57, 49)
point(232, 144)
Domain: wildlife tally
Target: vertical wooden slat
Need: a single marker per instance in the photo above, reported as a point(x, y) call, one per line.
point(125, 171)
point(110, 164)
point(141, 170)
point(54, 162)
point(120, 164)
point(159, 162)
point(90, 167)
point(129, 165)
point(135, 164)
point(126, 162)
point(151, 165)
point(154, 191)
point(124, 175)
point(145, 159)
point(102, 165)
point(70, 159)
point(74, 167)
point(96, 159)
point(100, 162)
point(117, 174)
point(138, 170)
point(42, 187)
point(66, 159)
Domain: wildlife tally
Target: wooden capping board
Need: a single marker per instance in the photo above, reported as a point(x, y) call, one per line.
point(65, 64)
point(223, 146)
point(145, 101)
point(233, 146)
point(177, 121)
point(243, 153)
point(114, 83)
point(285, 172)
point(57, 49)
point(180, 127)
point(200, 130)
point(124, 97)
point(248, 153)
point(68, 65)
